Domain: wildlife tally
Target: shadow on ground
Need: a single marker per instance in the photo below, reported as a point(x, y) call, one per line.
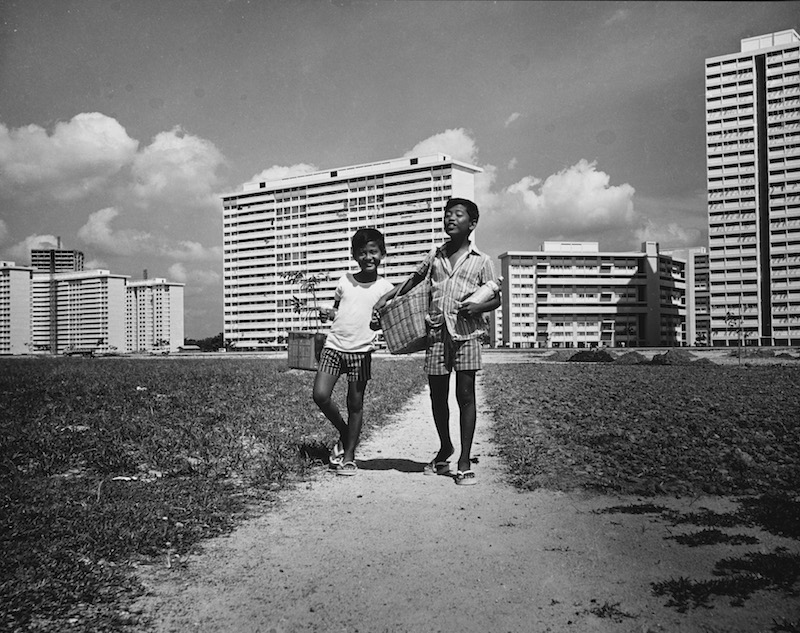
point(389, 463)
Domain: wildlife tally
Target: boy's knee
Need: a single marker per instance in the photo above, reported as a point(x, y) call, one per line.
point(320, 397)
point(465, 396)
point(355, 403)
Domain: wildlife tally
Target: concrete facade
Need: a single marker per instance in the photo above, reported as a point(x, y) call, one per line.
point(753, 173)
point(303, 225)
point(571, 294)
point(15, 313)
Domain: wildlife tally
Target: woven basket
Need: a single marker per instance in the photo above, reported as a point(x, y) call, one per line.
point(403, 321)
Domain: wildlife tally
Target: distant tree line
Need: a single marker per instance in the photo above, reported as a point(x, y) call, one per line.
point(211, 344)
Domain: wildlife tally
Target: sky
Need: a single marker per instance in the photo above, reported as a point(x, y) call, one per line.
point(123, 122)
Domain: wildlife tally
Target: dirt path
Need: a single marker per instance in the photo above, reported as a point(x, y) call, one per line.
point(391, 550)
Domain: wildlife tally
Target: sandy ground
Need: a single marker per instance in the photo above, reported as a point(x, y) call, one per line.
point(392, 550)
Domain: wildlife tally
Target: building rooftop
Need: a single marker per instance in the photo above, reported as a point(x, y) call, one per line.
point(352, 171)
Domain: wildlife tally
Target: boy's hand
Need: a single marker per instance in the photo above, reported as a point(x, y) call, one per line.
point(378, 306)
point(375, 321)
point(469, 308)
point(326, 313)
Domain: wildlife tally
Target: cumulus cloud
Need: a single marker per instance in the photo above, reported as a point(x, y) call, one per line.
point(675, 222)
point(456, 142)
point(578, 197)
point(74, 159)
point(577, 203)
point(177, 167)
point(3, 231)
point(98, 233)
point(20, 253)
point(512, 164)
point(511, 119)
point(278, 172)
point(95, 264)
point(177, 272)
point(192, 251)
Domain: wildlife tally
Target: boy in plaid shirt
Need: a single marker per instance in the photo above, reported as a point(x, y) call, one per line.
point(455, 326)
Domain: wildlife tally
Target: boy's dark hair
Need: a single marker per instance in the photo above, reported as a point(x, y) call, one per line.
point(469, 205)
point(362, 236)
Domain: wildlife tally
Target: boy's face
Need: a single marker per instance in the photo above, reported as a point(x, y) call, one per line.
point(368, 256)
point(457, 221)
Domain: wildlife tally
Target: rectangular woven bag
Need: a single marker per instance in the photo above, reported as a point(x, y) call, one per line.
point(403, 321)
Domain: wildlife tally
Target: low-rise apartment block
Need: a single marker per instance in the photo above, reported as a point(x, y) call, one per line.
point(571, 294)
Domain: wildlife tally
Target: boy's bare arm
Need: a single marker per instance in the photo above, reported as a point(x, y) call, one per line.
point(470, 307)
point(399, 290)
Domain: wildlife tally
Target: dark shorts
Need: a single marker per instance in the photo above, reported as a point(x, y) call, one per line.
point(357, 365)
point(445, 355)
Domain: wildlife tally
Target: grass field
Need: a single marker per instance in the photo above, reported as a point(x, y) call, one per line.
point(105, 463)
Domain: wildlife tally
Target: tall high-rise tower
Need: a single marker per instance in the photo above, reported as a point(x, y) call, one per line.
point(753, 171)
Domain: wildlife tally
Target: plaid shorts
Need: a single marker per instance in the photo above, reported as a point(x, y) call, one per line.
point(357, 365)
point(445, 355)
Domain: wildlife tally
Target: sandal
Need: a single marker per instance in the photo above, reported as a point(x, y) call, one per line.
point(337, 454)
point(347, 469)
point(436, 468)
point(465, 478)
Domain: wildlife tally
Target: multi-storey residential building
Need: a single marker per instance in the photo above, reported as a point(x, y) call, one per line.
point(15, 313)
point(154, 315)
point(88, 310)
point(81, 310)
point(570, 294)
point(56, 260)
point(753, 170)
point(698, 295)
point(303, 225)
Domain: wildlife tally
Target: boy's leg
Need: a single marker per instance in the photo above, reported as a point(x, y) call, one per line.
point(438, 370)
point(465, 395)
point(323, 388)
point(440, 391)
point(355, 417)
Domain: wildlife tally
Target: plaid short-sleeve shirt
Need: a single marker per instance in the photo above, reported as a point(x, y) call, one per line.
point(450, 285)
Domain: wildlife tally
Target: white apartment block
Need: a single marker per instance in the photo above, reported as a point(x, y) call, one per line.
point(154, 315)
point(305, 224)
point(571, 294)
point(80, 310)
point(698, 294)
point(87, 310)
point(753, 170)
point(15, 314)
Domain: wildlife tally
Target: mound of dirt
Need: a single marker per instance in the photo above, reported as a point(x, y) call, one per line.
point(592, 356)
point(561, 355)
point(632, 358)
point(673, 357)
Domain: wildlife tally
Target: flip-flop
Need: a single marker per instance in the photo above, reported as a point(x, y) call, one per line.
point(337, 454)
point(436, 468)
point(465, 478)
point(347, 469)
